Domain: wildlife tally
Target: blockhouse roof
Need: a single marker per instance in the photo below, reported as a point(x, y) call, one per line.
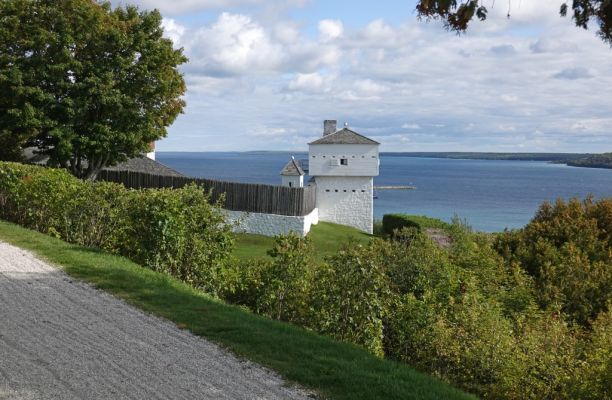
point(293, 168)
point(344, 136)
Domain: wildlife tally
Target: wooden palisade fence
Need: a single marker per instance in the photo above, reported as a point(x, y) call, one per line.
point(251, 197)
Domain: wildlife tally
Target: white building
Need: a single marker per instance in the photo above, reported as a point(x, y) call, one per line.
point(292, 175)
point(343, 164)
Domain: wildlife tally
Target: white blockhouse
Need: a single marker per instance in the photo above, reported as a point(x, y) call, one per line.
point(292, 175)
point(344, 164)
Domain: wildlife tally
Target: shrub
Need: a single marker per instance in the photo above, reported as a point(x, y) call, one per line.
point(178, 232)
point(278, 288)
point(175, 231)
point(415, 264)
point(467, 342)
point(350, 298)
point(285, 281)
point(566, 249)
point(391, 222)
point(592, 379)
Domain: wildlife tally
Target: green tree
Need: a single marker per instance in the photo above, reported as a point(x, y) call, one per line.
point(88, 85)
point(457, 15)
point(567, 249)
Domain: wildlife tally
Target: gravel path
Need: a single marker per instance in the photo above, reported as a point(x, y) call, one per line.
point(63, 339)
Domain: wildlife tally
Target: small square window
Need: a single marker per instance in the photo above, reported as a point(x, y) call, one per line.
point(344, 190)
point(327, 190)
point(354, 190)
point(344, 161)
point(336, 190)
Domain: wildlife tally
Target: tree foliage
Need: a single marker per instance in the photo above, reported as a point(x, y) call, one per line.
point(457, 15)
point(567, 249)
point(88, 85)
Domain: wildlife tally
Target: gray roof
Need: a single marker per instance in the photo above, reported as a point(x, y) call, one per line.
point(146, 165)
point(136, 164)
point(293, 168)
point(344, 136)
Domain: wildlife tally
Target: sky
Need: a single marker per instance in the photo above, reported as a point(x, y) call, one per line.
point(263, 75)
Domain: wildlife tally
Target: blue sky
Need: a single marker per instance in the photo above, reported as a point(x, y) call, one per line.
point(263, 75)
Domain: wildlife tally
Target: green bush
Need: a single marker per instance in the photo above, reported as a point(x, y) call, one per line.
point(350, 297)
point(278, 287)
point(592, 378)
point(566, 249)
point(175, 231)
point(392, 222)
point(285, 281)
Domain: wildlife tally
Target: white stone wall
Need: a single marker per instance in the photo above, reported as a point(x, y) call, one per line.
point(271, 224)
point(361, 160)
point(346, 200)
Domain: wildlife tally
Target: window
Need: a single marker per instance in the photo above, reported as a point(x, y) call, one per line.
point(336, 190)
point(354, 190)
point(344, 161)
point(290, 184)
point(344, 190)
point(327, 190)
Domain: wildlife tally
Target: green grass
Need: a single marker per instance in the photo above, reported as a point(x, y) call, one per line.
point(334, 370)
point(327, 238)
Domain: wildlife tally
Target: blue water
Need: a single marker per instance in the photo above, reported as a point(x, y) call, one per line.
point(490, 195)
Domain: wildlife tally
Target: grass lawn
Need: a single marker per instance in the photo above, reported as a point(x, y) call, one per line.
point(334, 370)
point(326, 238)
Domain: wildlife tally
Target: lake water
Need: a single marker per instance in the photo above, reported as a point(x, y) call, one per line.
point(490, 195)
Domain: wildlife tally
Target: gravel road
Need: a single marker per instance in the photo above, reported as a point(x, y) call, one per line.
point(63, 339)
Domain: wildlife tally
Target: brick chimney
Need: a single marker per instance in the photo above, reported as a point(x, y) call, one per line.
point(329, 126)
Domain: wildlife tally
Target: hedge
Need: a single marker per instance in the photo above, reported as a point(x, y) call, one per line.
point(391, 222)
point(176, 231)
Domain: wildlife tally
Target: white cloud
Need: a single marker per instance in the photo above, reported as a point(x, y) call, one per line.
point(330, 29)
point(234, 44)
point(173, 30)
point(513, 86)
point(176, 7)
point(313, 82)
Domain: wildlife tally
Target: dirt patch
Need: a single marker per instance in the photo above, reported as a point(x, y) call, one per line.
point(440, 237)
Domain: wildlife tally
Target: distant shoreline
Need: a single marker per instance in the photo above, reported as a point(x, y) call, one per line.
point(570, 159)
point(458, 155)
